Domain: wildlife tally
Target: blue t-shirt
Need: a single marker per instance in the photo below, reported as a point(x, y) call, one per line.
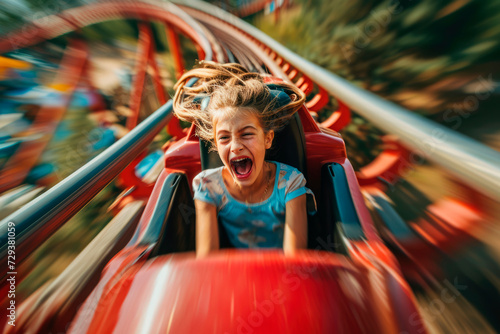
point(252, 225)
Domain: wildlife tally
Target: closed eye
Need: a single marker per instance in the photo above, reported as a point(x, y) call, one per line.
point(247, 134)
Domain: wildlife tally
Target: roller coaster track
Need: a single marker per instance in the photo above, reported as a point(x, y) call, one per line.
point(223, 37)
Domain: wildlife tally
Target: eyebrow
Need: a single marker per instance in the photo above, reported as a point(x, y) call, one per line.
point(240, 130)
point(246, 127)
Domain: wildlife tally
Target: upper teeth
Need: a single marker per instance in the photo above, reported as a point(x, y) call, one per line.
point(238, 160)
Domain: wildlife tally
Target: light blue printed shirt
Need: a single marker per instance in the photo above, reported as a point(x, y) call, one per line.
point(252, 225)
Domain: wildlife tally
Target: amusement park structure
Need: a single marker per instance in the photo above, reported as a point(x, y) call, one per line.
point(140, 275)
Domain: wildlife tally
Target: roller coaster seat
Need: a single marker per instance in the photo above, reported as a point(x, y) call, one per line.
point(328, 180)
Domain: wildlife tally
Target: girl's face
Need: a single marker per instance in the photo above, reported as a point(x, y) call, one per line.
point(242, 143)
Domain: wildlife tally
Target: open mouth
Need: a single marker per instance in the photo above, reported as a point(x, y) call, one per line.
point(242, 167)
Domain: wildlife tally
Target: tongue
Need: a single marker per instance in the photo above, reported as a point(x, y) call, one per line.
point(243, 167)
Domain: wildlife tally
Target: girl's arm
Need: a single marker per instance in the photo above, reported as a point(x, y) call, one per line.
point(207, 230)
point(295, 236)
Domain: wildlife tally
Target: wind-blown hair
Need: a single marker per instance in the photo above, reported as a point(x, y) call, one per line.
point(228, 88)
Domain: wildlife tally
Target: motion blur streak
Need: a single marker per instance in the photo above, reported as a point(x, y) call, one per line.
point(76, 76)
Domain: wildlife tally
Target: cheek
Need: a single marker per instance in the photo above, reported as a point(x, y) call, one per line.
point(258, 147)
point(223, 151)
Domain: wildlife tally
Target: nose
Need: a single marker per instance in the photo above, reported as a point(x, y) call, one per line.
point(236, 146)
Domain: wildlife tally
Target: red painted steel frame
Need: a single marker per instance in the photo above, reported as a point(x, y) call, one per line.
point(160, 90)
point(339, 118)
point(141, 64)
point(70, 19)
point(174, 128)
point(174, 46)
point(145, 56)
point(389, 165)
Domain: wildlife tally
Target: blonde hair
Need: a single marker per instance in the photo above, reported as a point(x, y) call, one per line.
point(226, 86)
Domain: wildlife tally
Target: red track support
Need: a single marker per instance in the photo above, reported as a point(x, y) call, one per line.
point(389, 165)
point(141, 64)
point(160, 91)
point(174, 127)
point(339, 118)
point(145, 56)
point(305, 84)
point(174, 46)
point(293, 74)
point(318, 101)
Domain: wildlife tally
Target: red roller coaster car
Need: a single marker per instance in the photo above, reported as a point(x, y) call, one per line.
point(346, 282)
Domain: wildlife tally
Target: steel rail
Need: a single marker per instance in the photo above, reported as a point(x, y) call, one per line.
point(234, 45)
point(472, 162)
point(243, 38)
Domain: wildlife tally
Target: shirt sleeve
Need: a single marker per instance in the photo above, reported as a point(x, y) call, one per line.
point(296, 186)
point(201, 189)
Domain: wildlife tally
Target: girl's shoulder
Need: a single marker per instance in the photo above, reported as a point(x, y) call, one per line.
point(285, 167)
point(208, 176)
point(208, 185)
point(286, 172)
point(292, 183)
point(212, 172)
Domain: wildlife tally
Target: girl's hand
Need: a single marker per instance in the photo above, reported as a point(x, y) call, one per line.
point(295, 236)
point(207, 230)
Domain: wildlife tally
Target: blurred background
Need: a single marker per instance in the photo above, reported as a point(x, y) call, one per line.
point(65, 99)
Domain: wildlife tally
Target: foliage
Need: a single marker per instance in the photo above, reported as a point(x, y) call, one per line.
point(422, 54)
point(437, 58)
